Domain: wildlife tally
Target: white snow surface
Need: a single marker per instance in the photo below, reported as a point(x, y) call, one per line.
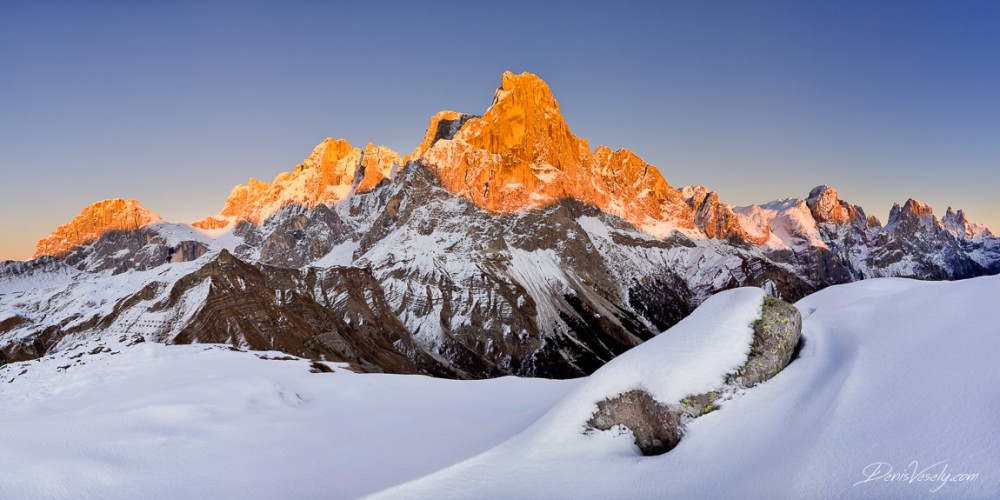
point(340, 255)
point(203, 421)
point(788, 222)
point(893, 373)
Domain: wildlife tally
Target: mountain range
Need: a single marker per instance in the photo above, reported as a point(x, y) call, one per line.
point(502, 245)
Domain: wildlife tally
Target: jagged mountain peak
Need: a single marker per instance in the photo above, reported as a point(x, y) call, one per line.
point(524, 124)
point(957, 223)
point(94, 221)
point(334, 169)
point(826, 206)
point(521, 155)
point(443, 125)
point(715, 219)
point(912, 209)
point(527, 88)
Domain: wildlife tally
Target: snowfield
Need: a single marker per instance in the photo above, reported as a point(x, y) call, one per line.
point(895, 394)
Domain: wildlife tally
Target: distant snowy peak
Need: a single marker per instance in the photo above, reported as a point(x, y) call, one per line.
point(93, 222)
point(959, 226)
point(787, 223)
point(521, 155)
point(329, 174)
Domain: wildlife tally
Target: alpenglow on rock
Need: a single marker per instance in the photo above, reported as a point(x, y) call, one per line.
point(93, 222)
point(501, 245)
point(521, 155)
point(328, 175)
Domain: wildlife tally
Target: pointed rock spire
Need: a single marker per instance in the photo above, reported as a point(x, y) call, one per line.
point(911, 210)
point(522, 155)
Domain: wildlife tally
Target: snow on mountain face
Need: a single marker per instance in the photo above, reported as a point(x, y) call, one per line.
point(835, 242)
point(95, 220)
point(503, 245)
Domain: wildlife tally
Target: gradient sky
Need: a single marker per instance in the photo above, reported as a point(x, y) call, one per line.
point(174, 103)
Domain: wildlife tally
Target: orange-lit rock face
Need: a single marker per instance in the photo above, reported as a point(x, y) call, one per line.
point(826, 206)
point(377, 164)
point(210, 223)
point(97, 219)
point(333, 170)
point(716, 219)
point(444, 125)
point(521, 155)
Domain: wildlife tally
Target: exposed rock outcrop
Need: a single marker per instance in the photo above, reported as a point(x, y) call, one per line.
point(657, 427)
point(915, 244)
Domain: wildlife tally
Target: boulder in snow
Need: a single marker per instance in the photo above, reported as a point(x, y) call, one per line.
point(658, 426)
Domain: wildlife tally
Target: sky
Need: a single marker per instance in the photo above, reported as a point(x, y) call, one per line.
point(174, 103)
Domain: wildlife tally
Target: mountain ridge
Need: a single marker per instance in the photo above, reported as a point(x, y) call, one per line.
point(501, 245)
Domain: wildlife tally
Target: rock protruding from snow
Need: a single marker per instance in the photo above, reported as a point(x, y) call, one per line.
point(93, 222)
point(658, 426)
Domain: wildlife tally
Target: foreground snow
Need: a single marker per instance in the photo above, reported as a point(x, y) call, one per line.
point(894, 373)
point(155, 421)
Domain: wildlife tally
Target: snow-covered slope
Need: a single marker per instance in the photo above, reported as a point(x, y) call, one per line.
point(111, 420)
point(894, 373)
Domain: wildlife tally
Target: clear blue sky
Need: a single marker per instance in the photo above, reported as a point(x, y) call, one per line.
point(173, 103)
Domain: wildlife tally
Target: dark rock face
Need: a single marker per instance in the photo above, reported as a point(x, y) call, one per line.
point(914, 240)
point(658, 427)
point(137, 250)
point(297, 237)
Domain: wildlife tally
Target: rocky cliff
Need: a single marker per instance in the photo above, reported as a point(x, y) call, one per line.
point(501, 245)
point(95, 220)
